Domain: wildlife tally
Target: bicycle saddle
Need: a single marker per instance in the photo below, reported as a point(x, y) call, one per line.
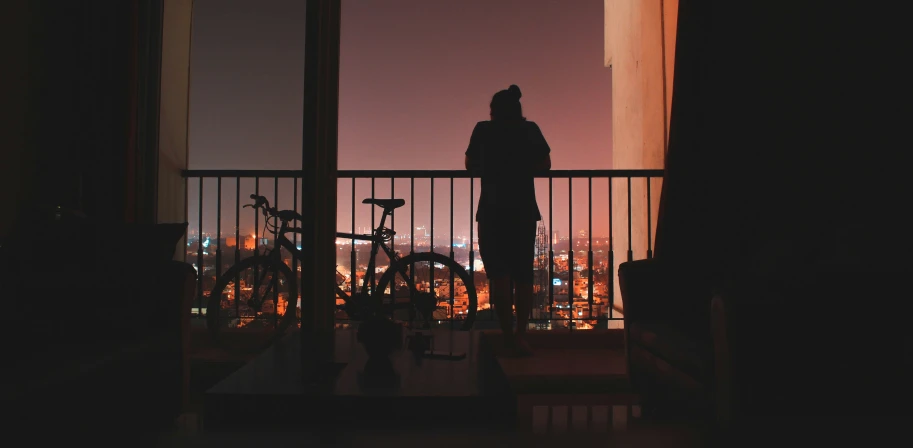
point(385, 203)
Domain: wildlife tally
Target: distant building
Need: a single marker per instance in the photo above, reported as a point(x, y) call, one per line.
point(249, 242)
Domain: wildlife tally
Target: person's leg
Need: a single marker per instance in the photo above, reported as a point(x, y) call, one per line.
point(522, 274)
point(493, 252)
point(499, 296)
point(523, 300)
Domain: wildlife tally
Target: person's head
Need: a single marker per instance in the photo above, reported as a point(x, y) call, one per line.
point(505, 105)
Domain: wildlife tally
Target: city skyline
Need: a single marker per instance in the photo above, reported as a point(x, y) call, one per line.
point(579, 285)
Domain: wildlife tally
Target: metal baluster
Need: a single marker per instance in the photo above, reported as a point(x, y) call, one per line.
point(649, 222)
point(570, 254)
point(551, 255)
point(200, 253)
point(630, 249)
point(353, 287)
point(611, 282)
point(472, 252)
point(255, 292)
point(452, 277)
point(238, 246)
point(393, 228)
point(590, 247)
point(257, 222)
point(373, 223)
point(393, 214)
point(276, 206)
point(412, 216)
point(218, 228)
point(295, 243)
point(278, 249)
point(186, 213)
point(431, 284)
point(411, 247)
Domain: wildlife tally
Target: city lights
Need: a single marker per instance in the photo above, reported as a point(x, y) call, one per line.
point(565, 300)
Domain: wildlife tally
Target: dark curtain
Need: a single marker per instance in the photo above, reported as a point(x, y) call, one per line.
point(778, 146)
point(147, 64)
point(94, 110)
point(786, 178)
point(683, 185)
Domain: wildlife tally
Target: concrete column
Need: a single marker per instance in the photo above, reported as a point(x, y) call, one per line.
point(318, 200)
point(639, 47)
point(174, 112)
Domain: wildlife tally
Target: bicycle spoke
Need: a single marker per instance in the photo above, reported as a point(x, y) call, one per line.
point(423, 298)
point(253, 292)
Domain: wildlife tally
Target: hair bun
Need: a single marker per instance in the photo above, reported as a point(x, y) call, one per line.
point(513, 89)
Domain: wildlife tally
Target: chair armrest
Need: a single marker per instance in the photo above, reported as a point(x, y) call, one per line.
point(178, 285)
point(659, 289)
point(176, 281)
point(642, 284)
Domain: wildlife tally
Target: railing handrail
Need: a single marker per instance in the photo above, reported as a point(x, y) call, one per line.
point(419, 174)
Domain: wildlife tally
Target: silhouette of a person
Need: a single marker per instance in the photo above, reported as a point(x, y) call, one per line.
point(506, 152)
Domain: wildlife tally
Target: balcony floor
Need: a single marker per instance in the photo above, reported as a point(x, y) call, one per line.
point(273, 381)
point(444, 403)
point(573, 390)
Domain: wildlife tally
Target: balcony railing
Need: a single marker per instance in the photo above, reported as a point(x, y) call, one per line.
point(575, 277)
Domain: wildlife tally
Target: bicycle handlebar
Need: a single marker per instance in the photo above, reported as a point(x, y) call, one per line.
point(261, 202)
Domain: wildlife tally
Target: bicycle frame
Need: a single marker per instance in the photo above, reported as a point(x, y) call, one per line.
point(377, 243)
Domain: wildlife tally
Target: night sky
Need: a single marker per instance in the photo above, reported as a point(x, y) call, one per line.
point(416, 75)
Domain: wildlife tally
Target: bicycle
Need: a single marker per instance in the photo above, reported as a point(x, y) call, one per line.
point(238, 293)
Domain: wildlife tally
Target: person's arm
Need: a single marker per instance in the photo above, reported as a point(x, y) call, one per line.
point(544, 164)
point(473, 160)
point(542, 160)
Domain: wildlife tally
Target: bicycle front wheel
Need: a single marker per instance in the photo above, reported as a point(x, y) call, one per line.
point(259, 293)
point(431, 285)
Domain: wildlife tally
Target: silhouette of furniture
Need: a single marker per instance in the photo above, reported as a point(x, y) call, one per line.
point(97, 335)
point(668, 335)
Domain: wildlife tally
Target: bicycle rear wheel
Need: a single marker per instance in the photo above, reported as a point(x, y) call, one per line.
point(411, 288)
point(259, 294)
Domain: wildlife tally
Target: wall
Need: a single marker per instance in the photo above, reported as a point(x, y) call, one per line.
point(639, 47)
point(174, 110)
